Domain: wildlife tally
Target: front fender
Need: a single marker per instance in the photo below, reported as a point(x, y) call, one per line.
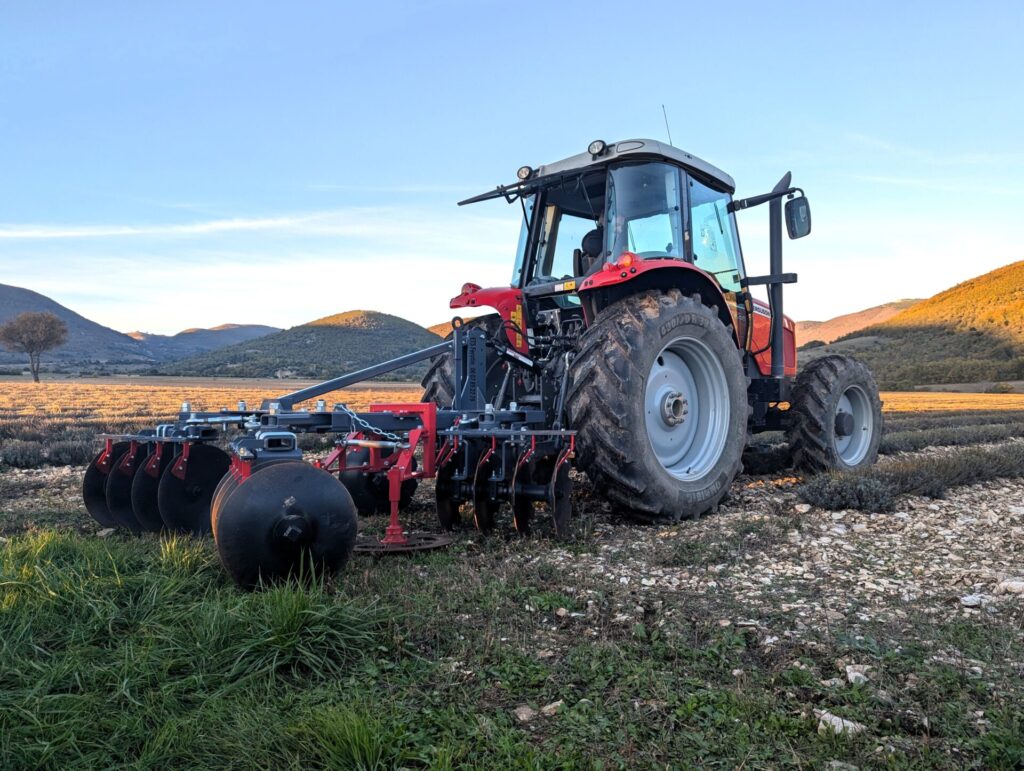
point(616, 280)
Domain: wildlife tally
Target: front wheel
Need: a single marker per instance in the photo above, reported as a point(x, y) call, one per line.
point(836, 416)
point(658, 397)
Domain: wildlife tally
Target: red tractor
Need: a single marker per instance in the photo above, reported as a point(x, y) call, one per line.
point(628, 342)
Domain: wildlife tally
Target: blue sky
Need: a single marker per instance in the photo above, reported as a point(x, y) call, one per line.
point(191, 164)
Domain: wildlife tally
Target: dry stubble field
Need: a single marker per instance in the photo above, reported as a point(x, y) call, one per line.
point(890, 600)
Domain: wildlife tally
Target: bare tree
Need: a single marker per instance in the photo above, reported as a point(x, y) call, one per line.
point(33, 333)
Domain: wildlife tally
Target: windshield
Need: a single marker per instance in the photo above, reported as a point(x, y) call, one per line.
point(524, 240)
point(644, 212)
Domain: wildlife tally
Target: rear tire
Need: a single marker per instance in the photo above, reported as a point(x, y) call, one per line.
point(658, 397)
point(836, 416)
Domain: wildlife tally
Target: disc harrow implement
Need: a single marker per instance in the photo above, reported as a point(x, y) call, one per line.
point(240, 474)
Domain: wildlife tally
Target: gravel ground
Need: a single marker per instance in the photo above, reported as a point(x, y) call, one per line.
point(763, 559)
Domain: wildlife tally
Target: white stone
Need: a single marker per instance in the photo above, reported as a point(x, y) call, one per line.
point(550, 709)
point(525, 714)
point(829, 722)
point(857, 673)
point(1011, 586)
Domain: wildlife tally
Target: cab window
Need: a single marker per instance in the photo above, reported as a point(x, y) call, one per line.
point(715, 245)
point(644, 211)
point(560, 235)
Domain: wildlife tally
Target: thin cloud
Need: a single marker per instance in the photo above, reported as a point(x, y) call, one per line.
point(964, 158)
point(230, 225)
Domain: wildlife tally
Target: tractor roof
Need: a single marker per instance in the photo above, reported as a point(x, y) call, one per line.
point(639, 149)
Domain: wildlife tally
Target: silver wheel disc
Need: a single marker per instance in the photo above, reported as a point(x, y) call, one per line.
point(854, 412)
point(686, 409)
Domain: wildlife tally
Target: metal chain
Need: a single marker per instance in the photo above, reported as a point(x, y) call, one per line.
point(366, 426)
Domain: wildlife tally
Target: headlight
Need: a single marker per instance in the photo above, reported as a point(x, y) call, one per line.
point(597, 147)
point(524, 173)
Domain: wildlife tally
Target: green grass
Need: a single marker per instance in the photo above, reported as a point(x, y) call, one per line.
point(138, 653)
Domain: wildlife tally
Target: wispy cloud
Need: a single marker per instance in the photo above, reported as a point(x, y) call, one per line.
point(340, 223)
point(328, 187)
point(932, 158)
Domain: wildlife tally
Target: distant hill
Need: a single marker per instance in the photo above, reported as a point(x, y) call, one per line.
point(90, 344)
point(194, 341)
point(87, 340)
point(324, 348)
point(827, 331)
point(971, 332)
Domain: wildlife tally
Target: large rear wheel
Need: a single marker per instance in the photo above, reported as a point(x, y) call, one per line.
point(836, 415)
point(658, 397)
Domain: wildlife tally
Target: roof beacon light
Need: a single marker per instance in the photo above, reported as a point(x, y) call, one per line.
point(524, 173)
point(597, 147)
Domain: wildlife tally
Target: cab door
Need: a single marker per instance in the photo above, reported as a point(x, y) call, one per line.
point(715, 248)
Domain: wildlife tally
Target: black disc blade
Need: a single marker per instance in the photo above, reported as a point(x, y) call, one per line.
point(371, 492)
point(285, 520)
point(358, 483)
point(225, 487)
point(485, 510)
point(560, 500)
point(145, 484)
point(119, 488)
point(522, 513)
point(448, 509)
point(185, 502)
point(94, 487)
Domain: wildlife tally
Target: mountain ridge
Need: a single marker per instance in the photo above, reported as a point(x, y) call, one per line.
point(326, 347)
point(971, 332)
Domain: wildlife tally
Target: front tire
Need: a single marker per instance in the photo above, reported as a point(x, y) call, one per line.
point(836, 416)
point(658, 397)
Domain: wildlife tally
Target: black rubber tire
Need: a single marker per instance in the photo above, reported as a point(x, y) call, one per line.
point(439, 382)
point(605, 404)
point(816, 393)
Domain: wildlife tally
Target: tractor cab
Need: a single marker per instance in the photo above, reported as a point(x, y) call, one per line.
point(631, 216)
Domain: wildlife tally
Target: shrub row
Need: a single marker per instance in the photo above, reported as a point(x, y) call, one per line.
point(877, 488)
point(918, 422)
point(21, 453)
point(950, 436)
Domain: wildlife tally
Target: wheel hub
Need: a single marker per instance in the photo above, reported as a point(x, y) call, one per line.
point(674, 408)
point(844, 424)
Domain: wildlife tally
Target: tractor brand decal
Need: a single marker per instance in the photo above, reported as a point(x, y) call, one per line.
point(568, 286)
point(517, 318)
point(760, 310)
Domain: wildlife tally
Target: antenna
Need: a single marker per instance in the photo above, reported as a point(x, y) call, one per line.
point(667, 129)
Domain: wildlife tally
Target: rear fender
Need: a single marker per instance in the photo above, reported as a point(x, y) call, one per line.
point(613, 283)
point(507, 301)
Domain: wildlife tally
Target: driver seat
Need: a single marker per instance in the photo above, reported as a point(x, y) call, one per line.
point(590, 252)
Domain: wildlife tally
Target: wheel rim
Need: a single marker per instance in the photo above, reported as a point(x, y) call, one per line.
point(853, 413)
point(686, 409)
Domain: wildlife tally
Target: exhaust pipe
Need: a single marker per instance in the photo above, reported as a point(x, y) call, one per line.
point(775, 288)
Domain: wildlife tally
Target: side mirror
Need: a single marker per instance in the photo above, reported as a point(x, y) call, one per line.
point(798, 217)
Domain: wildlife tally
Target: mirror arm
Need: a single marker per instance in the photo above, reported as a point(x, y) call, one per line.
point(757, 200)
